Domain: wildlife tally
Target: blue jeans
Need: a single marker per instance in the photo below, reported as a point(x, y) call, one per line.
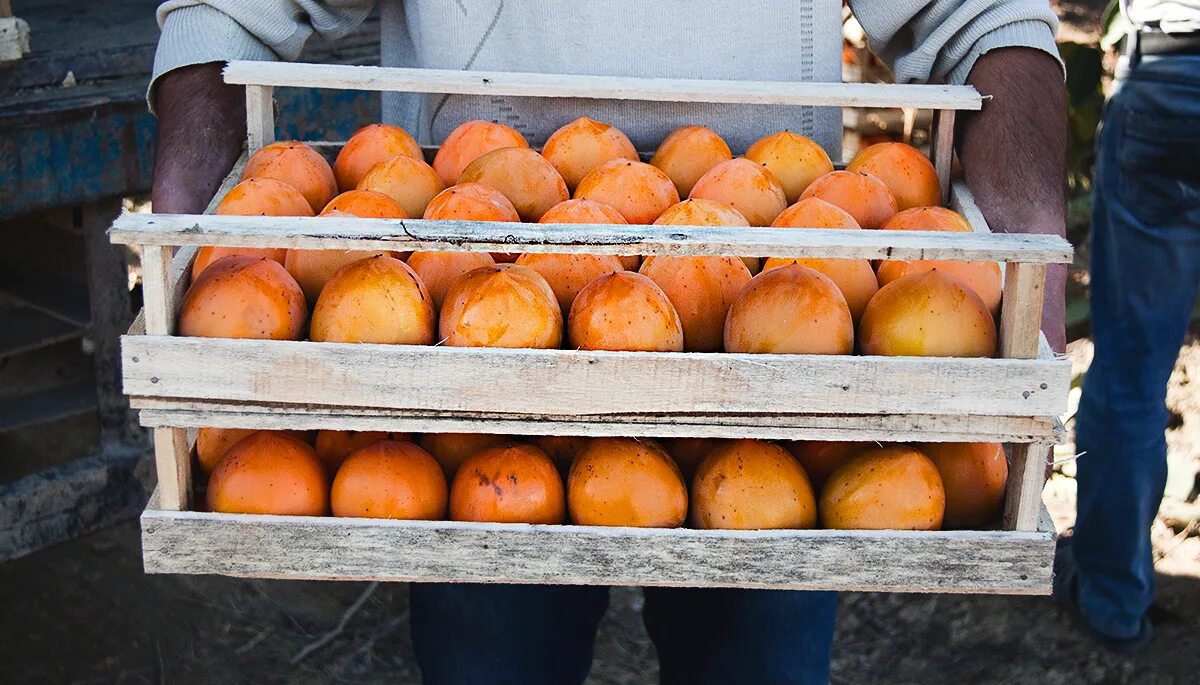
point(543, 634)
point(1144, 277)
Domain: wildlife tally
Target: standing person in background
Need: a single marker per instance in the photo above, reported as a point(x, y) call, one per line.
point(1013, 154)
point(1144, 274)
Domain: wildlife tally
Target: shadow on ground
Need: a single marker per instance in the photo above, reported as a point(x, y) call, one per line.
point(84, 613)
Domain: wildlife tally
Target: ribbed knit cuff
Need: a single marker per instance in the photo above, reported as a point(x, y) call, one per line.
point(1030, 34)
point(198, 35)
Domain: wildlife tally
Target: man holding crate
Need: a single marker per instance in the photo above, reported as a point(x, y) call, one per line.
point(1013, 153)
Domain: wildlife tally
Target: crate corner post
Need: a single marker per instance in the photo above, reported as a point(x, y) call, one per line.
point(260, 117)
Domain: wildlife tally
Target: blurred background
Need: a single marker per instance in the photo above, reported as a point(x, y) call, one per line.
point(76, 146)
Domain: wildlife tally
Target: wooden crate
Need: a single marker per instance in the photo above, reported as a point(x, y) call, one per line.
point(181, 383)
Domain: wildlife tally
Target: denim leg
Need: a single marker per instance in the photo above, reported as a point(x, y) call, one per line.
point(1144, 276)
point(467, 634)
point(731, 637)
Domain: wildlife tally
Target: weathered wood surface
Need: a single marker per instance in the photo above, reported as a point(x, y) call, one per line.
point(458, 82)
point(158, 293)
point(62, 503)
point(1026, 480)
point(326, 548)
point(943, 149)
point(1021, 313)
point(418, 234)
point(577, 382)
point(260, 118)
point(174, 466)
point(962, 200)
point(882, 428)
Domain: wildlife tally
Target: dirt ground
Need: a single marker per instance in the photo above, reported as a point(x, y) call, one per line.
point(85, 613)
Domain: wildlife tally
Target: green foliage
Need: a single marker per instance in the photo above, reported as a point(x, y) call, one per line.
point(1085, 103)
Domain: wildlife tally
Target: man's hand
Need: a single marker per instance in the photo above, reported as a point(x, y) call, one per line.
point(1014, 156)
point(201, 129)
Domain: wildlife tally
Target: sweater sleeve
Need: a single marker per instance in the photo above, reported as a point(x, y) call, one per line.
point(940, 40)
point(201, 31)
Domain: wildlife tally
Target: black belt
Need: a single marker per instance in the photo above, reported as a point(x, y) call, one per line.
point(1152, 42)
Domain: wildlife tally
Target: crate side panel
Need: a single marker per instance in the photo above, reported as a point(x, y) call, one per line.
point(360, 549)
point(880, 427)
point(577, 382)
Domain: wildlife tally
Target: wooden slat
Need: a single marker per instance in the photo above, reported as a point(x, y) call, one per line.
point(442, 551)
point(458, 82)
point(962, 200)
point(1026, 479)
point(172, 460)
point(881, 427)
point(1021, 313)
point(260, 117)
point(579, 382)
point(943, 149)
point(157, 291)
point(416, 234)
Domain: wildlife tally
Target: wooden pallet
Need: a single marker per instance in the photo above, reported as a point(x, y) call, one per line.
point(180, 383)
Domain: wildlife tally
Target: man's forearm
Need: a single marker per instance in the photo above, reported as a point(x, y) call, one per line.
point(201, 128)
point(1014, 156)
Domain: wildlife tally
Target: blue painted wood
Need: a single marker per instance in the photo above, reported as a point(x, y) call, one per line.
point(84, 151)
point(66, 146)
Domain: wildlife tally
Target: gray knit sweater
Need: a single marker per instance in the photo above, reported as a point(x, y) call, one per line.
point(769, 40)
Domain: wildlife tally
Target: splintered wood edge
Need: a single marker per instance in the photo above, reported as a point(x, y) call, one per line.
point(326, 548)
point(457, 235)
point(523, 84)
point(882, 428)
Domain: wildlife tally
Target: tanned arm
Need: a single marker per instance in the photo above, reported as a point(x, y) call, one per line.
point(201, 131)
point(1014, 156)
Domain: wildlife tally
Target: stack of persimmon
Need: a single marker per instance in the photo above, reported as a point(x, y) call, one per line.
point(588, 172)
point(635, 482)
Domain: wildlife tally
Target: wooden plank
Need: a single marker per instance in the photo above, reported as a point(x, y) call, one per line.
point(581, 382)
point(156, 290)
point(1026, 478)
point(179, 277)
point(372, 549)
point(882, 427)
point(172, 461)
point(943, 149)
point(260, 116)
point(962, 200)
point(458, 82)
point(417, 234)
point(1021, 313)
point(62, 503)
